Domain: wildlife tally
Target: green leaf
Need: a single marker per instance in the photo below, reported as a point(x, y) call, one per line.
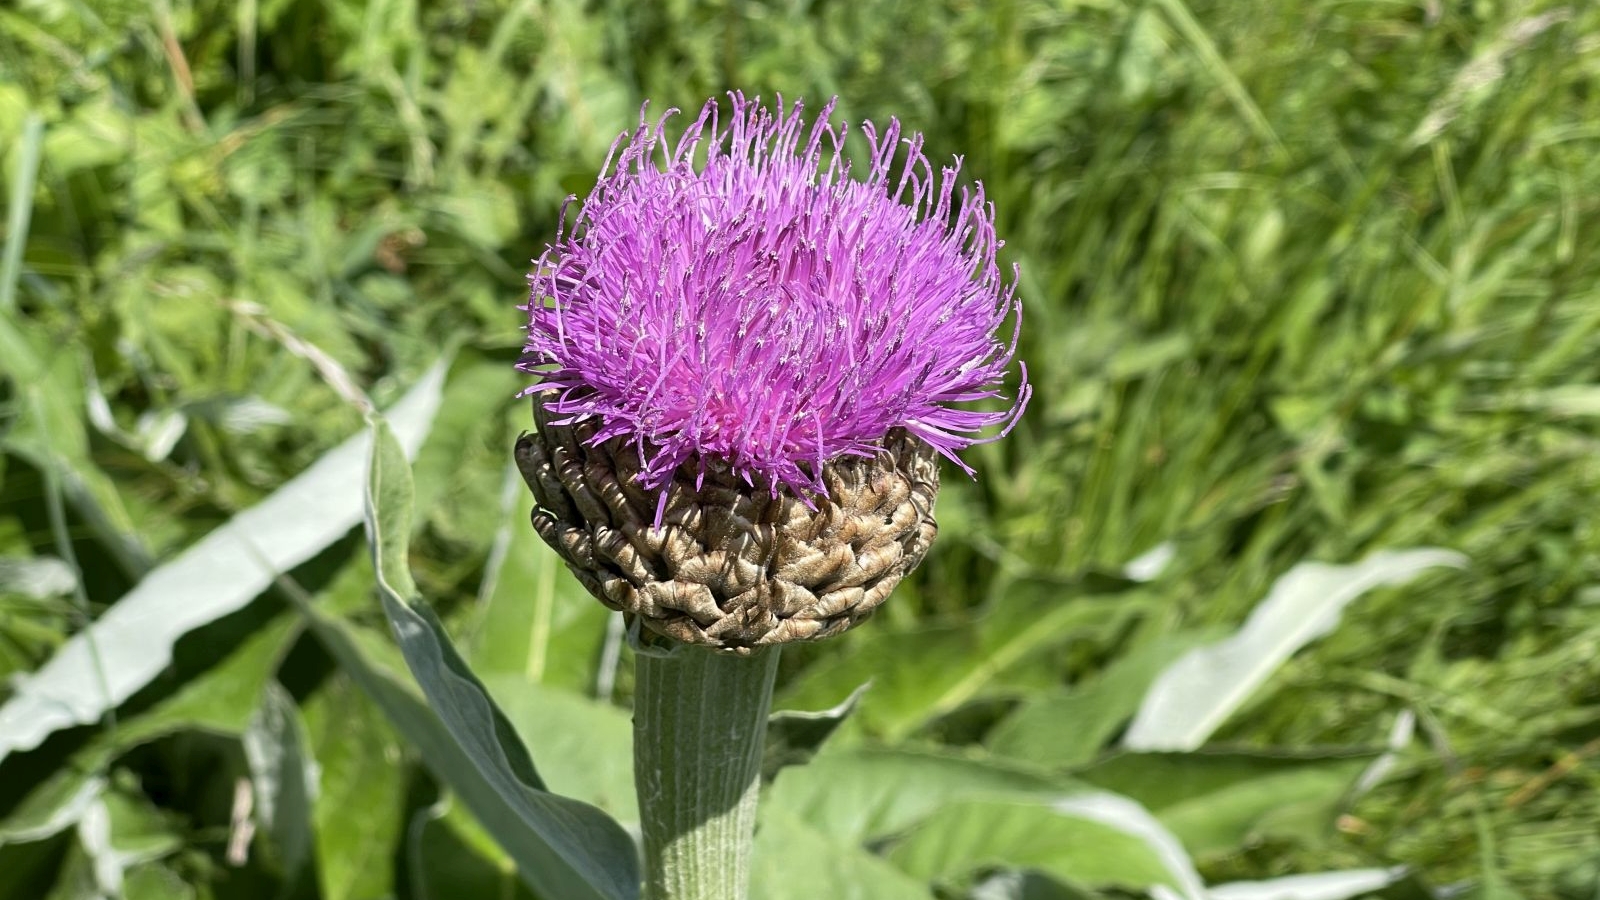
point(156, 881)
point(131, 643)
point(794, 737)
point(961, 839)
point(77, 879)
point(919, 674)
point(285, 776)
point(562, 847)
point(220, 701)
point(589, 757)
point(454, 471)
point(450, 857)
point(795, 860)
point(360, 806)
point(1195, 694)
point(860, 795)
point(50, 433)
point(1066, 728)
point(537, 620)
point(502, 803)
point(30, 869)
point(118, 832)
point(53, 806)
point(223, 699)
point(1020, 885)
point(1218, 802)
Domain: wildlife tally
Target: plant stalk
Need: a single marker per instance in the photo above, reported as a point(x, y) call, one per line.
point(699, 720)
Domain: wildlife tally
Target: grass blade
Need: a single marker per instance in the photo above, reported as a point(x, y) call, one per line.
point(21, 211)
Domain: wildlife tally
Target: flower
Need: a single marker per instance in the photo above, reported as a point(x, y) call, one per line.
point(767, 354)
point(742, 298)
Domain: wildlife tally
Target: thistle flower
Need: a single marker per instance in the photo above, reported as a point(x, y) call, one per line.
point(746, 358)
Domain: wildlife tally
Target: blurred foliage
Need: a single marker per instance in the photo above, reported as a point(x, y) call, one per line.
point(1302, 280)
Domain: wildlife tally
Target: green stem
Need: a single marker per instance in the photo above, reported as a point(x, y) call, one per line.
point(699, 719)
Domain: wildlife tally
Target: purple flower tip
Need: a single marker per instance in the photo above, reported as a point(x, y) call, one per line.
point(743, 295)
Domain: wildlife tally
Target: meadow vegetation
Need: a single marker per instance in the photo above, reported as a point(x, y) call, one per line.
point(1302, 281)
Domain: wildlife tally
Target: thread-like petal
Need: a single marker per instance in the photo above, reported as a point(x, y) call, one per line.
point(744, 296)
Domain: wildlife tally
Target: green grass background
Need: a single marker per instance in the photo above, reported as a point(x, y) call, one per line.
point(1302, 280)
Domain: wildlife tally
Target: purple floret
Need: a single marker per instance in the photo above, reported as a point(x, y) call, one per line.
point(742, 296)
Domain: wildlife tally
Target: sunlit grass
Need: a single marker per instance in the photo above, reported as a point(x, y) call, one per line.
point(1301, 281)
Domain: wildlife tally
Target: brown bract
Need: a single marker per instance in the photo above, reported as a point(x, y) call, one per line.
point(732, 567)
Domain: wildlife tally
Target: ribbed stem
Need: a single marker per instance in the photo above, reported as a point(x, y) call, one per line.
point(699, 719)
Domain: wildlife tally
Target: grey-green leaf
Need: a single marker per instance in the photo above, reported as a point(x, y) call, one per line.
point(449, 856)
point(1197, 693)
point(793, 736)
point(504, 814)
point(1343, 885)
point(118, 832)
point(284, 774)
point(219, 702)
point(563, 848)
point(589, 757)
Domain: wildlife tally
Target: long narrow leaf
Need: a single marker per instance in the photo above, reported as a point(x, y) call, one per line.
point(21, 208)
point(1198, 692)
point(124, 649)
point(1320, 886)
point(563, 848)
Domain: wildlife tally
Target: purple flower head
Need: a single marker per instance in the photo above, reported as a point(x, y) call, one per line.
point(745, 295)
